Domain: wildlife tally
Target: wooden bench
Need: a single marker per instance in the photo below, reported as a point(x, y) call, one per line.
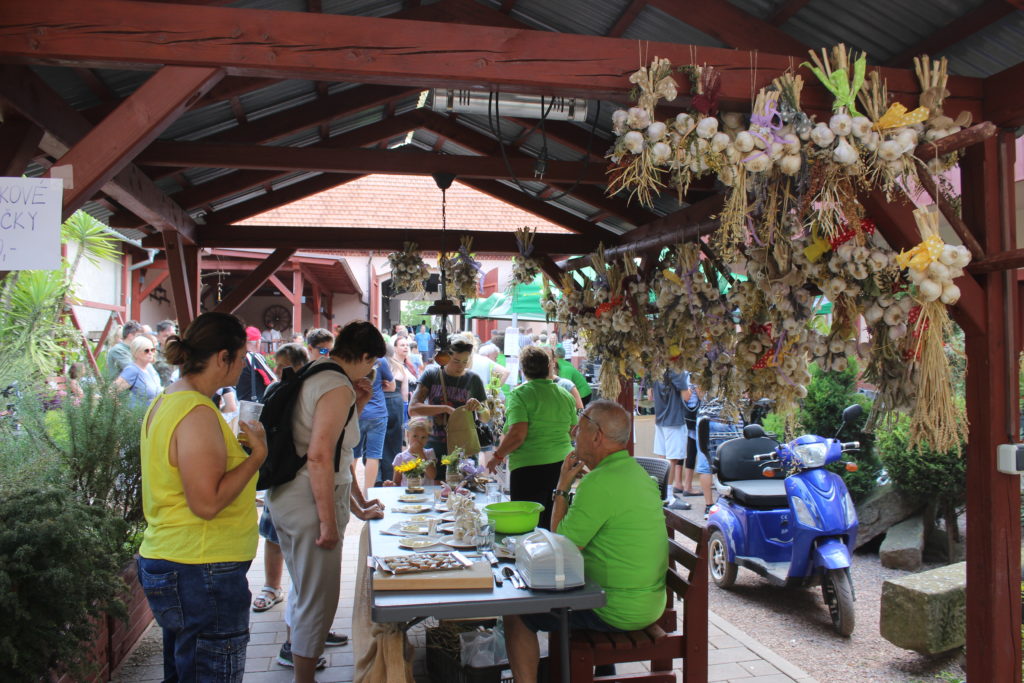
point(660, 643)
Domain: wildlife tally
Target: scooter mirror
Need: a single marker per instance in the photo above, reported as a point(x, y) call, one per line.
point(754, 431)
point(852, 413)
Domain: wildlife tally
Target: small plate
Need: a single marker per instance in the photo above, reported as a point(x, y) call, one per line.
point(447, 528)
point(414, 528)
point(421, 518)
point(411, 509)
point(448, 518)
point(416, 542)
point(409, 498)
point(451, 542)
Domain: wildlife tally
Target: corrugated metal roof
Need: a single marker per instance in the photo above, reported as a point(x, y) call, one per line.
point(991, 50)
point(67, 84)
point(589, 17)
point(653, 24)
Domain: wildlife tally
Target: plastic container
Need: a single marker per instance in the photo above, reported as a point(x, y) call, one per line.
point(514, 516)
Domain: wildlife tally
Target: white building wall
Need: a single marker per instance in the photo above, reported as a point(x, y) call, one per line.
point(100, 283)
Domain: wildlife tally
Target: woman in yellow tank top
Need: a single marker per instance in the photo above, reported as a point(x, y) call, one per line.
point(198, 487)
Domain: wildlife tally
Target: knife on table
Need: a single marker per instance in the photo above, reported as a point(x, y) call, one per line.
point(490, 557)
point(498, 581)
point(462, 559)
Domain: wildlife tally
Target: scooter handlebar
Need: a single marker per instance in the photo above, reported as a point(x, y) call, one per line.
point(764, 456)
point(851, 445)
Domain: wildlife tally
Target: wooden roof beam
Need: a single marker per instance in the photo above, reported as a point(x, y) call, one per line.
point(204, 194)
point(731, 25)
point(956, 30)
point(625, 19)
point(19, 142)
point(1004, 98)
point(132, 188)
point(378, 239)
point(109, 147)
point(482, 144)
point(402, 161)
point(254, 280)
point(538, 207)
point(415, 54)
point(786, 10)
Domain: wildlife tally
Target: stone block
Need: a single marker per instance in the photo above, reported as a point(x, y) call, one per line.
point(926, 612)
point(879, 511)
point(903, 546)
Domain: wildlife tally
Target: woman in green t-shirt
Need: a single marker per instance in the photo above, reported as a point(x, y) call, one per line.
point(538, 417)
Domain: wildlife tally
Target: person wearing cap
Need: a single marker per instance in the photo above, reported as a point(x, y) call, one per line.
point(257, 374)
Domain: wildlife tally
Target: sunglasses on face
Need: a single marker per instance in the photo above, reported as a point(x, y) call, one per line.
point(149, 350)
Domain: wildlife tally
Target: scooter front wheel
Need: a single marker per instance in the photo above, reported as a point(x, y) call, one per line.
point(723, 572)
point(837, 590)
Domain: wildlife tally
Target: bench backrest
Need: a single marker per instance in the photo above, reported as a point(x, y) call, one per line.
point(687, 577)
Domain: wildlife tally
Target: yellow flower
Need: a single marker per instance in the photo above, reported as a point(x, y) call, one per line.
point(409, 466)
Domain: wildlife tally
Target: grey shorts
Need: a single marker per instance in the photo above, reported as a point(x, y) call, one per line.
point(267, 529)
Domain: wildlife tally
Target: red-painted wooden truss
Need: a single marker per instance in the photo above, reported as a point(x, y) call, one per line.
point(117, 149)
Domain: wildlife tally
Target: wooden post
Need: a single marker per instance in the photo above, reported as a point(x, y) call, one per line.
point(183, 291)
point(297, 286)
point(135, 312)
point(993, 499)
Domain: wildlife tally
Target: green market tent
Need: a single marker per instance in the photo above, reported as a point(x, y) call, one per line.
point(481, 308)
point(524, 301)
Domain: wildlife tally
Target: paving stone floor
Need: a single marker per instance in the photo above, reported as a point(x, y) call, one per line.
point(733, 655)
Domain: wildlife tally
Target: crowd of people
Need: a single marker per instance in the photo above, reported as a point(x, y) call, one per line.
point(363, 396)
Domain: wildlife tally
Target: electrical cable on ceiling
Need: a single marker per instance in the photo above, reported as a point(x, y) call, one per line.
point(542, 158)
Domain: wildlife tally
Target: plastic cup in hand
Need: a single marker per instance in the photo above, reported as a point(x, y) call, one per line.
point(249, 411)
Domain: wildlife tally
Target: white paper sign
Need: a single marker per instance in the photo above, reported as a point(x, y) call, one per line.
point(30, 211)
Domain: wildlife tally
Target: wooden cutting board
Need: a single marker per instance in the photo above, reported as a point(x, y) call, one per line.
point(477, 576)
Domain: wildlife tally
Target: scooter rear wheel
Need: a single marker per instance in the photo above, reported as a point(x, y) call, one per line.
point(837, 590)
point(723, 572)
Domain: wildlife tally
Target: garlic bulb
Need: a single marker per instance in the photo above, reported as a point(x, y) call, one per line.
point(661, 152)
point(841, 124)
point(744, 141)
point(937, 271)
point(656, 131)
point(898, 331)
point(878, 260)
point(732, 120)
point(948, 256)
point(890, 150)
point(893, 316)
point(964, 256)
point(776, 151)
point(950, 294)
point(839, 364)
point(619, 120)
point(684, 122)
point(872, 140)
point(907, 139)
point(861, 126)
point(791, 143)
point(727, 175)
point(733, 155)
point(638, 118)
point(845, 251)
point(790, 164)
point(758, 163)
point(873, 314)
point(719, 142)
point(822, 135)
point(707, 127)
point(929, 290)
point(634, 141)
point(844, 153)
point(915, 275)
point(935, 134)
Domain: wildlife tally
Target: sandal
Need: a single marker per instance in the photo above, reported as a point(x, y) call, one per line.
point(268, 597)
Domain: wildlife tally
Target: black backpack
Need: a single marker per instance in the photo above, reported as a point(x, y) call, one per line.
point(282, 462)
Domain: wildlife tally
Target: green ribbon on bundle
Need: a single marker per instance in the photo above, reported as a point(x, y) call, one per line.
point(838, 83)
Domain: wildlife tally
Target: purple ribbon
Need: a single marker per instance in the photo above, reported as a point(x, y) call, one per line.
point(771, 120)
point(465, 258)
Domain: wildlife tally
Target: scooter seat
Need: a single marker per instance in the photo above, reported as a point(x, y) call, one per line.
point(760, 493)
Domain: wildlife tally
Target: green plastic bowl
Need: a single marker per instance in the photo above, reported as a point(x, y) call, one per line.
point(514, 517)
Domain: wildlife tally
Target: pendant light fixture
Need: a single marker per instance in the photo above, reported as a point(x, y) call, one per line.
point(444, 307)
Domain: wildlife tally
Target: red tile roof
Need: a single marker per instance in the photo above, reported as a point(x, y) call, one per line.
point(402, 202)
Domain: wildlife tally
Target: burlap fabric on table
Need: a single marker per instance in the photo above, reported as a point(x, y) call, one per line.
point(383, 654)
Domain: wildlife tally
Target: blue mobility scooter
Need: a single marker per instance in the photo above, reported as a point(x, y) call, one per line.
point(781, 514)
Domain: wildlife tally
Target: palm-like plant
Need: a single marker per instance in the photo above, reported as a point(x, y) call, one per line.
point(34, 333)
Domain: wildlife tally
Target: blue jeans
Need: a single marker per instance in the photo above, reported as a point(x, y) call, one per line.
point(393, 434)
point(203, 610)
point(371, 438)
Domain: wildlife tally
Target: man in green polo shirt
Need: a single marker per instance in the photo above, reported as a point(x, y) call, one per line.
point(566, 370)
point(616, 519)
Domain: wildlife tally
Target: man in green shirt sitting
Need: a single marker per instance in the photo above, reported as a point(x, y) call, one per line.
point(617, 520)
point(566, 370)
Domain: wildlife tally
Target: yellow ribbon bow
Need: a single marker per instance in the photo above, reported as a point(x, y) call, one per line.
point(672, 277)
point(897, 116)
point(818, 248)
point(921, 256)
